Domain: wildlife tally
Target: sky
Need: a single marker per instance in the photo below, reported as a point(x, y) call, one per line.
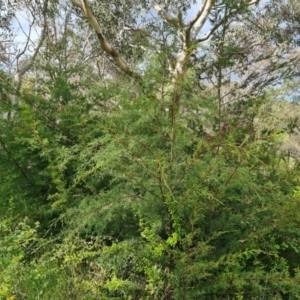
point(23, 23)
point(21, 29)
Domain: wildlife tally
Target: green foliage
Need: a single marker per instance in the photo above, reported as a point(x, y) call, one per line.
point(138, 197)
point(14, 246)
point(158, 210)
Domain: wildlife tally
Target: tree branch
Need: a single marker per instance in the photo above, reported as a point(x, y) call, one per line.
point(207, 36)
point(19, 74)
point(78, 4)
point(106, 47)
point(199, 20)
point(172, 21)
point(198, 14)
point(253, 2)
point(217, 25)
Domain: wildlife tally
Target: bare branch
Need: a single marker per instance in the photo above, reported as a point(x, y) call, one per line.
point(22, 71)
point(78, 4)
point(106, 47)
point(253, 2)
point(198, 14)
point(207, 36)
point(20, 53)
point(201, 17)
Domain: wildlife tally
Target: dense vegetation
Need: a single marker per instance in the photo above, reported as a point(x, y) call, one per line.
point(154, 186)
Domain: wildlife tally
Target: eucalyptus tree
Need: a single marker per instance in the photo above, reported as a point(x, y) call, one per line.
point(168, 25)
point(218, 44)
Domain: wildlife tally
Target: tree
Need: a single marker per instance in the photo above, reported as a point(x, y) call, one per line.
point(22, 15)
point(192, 218)
point(169, 182)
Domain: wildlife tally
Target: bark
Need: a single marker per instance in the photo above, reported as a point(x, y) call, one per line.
point(200, 18)
point(106, 47)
